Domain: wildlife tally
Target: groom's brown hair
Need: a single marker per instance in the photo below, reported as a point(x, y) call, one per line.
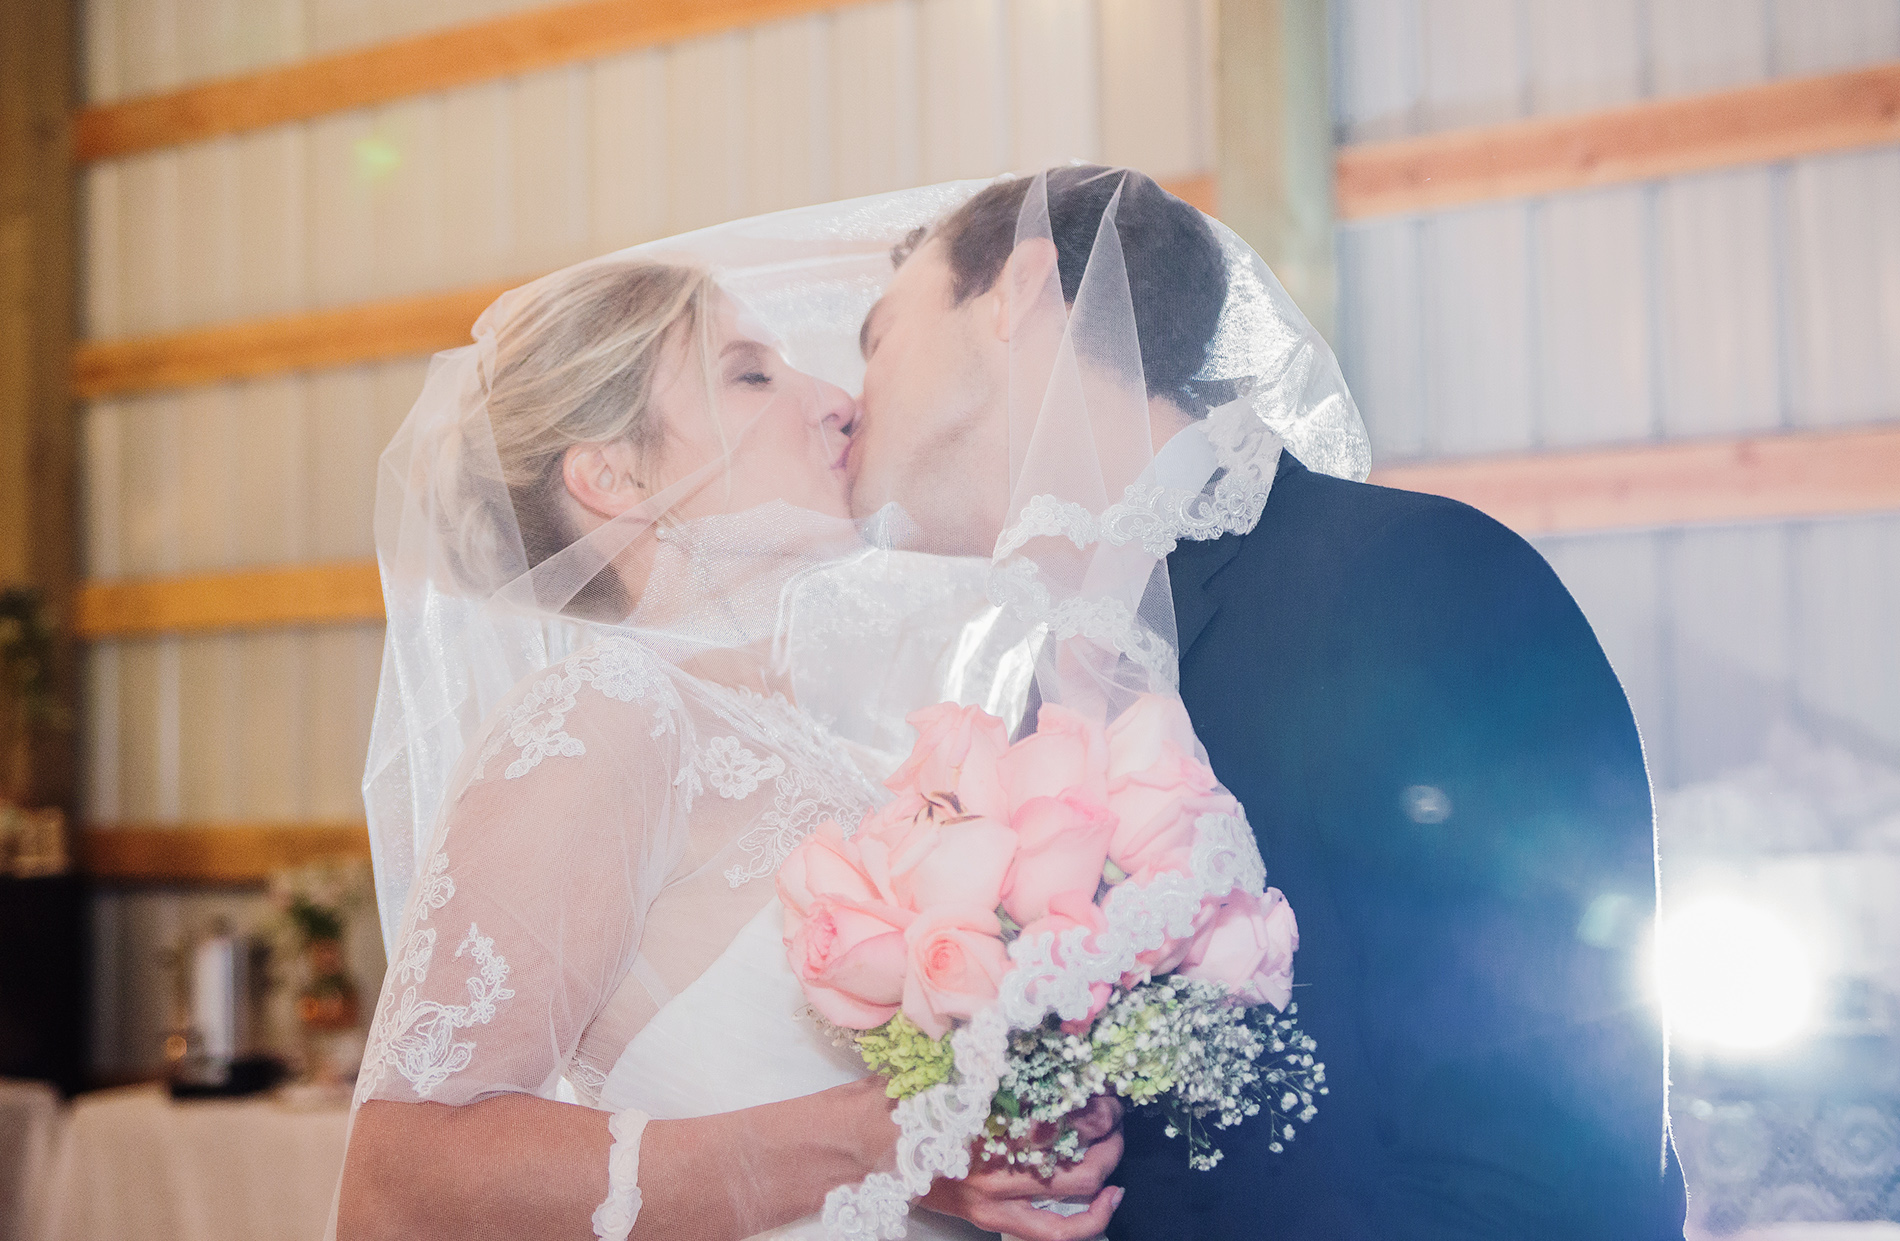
point(1177, 275)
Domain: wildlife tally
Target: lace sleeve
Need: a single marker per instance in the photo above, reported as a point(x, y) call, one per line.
point(530, 908)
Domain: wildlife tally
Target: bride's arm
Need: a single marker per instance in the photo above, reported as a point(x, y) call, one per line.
point(519, 1167)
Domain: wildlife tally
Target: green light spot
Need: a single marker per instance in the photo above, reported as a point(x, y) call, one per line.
point(376, 159)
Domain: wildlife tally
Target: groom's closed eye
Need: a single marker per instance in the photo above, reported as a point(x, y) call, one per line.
point(867, 335)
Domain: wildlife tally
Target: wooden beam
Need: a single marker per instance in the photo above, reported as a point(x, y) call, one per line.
point(235, 853)
point(460, 56)
point(400, 327)
point(1759, 478)
point(314, 594)
point(252, 348)
point(1665, 137)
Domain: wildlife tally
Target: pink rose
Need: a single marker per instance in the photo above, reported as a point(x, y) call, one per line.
point(1136, 738)
point(1066, 754)
point(1248, 948)
point(956, 963)
point(955, 757)
point(1157, 808)
point(1068, 910)
point(849, 956)
point(1061, 843)
point(823, 864)
point(957, 862)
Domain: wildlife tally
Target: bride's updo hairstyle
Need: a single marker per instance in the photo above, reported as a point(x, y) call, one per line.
point(574, 363)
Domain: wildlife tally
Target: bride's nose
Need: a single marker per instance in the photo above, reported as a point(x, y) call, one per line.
point(832, 410)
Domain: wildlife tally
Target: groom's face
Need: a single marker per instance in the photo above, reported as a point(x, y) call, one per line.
point(932, 430)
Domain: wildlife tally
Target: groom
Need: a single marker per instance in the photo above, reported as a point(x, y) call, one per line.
point(1442, 770)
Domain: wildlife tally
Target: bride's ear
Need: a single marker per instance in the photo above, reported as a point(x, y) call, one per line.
point(602, 478)
point(1031, 265)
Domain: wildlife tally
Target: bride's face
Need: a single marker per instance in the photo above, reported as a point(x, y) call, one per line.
point(778, 431)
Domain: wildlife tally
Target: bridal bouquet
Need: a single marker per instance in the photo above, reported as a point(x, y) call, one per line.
point(1024, 927)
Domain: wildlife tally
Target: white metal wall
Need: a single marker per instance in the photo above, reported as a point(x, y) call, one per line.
point(504, 179)
point(1753, 300)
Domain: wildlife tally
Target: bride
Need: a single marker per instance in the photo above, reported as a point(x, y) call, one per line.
point(638, 649)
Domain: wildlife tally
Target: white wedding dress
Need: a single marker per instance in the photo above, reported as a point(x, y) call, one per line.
point(602, 889)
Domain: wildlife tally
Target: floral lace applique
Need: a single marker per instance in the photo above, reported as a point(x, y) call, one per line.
point(818, 781)
point(416, 1037)
point(618, 667)
point(734, 771)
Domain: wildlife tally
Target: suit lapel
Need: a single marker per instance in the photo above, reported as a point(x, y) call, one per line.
point(1193, 564)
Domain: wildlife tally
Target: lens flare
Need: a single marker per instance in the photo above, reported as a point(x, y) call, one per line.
point(1733, 975)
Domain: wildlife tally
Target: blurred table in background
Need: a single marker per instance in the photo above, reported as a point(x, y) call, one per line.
point(132, 1163)
point(29, 1122)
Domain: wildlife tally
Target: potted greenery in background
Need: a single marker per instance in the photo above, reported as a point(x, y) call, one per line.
point(32, 841)
point(316, 905)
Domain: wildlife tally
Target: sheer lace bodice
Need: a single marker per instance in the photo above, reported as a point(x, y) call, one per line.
point(616, 828)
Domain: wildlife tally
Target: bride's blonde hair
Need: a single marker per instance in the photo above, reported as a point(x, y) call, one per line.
point(574, 363)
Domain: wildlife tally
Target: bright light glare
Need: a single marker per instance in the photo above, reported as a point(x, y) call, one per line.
point(1733, 975)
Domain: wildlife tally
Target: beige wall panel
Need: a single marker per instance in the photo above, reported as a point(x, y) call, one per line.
point(1812, 37)
point(1846, 600)
point(400, 165)
point(397, 385)
point(147, 728)
point(341, 215)
point(99, 51)
point(1844, 294)
point(1717, 291)
point(148, 243)
point(210, 689)
point(207, 38)
point(628, 160)
point(476, 219)
point(210, 513)
point(149, 474)
point(337, 24)
point(343, 667)
point(964, 89)
point(148, 46)
point(1471, 71)
point(1376, 71)
point(344, 435)
point(1705, 45)
point(1584, 56)
point(207, 232)
point(1054, 82)
point(1595, 379)
point(102, 490)
point(874, 105)
point(789, 139)
point(705, 131)
point(273, 720)
point(1154, 87)
point(99, 792)
point(549, 148)
point(270, 489)
point(1477, 346)
point(271, 222)
point(101, 252)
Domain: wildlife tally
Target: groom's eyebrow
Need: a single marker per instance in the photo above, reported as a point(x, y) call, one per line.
point(864, 329)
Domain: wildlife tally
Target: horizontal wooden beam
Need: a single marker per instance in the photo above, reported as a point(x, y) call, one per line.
point(253, 348)
point(400, 327)
point(460, 56)
point(314, 594)
point(224, 853)
point(1664, 137)
point(1760, 478)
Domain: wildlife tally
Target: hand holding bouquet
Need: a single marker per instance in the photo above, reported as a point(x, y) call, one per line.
point(1025, 927)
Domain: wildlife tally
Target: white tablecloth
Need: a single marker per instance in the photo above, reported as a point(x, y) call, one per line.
point(133, 1164)
point(29, 1122)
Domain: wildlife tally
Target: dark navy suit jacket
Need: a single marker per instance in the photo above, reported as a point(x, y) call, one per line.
point(1446, 782)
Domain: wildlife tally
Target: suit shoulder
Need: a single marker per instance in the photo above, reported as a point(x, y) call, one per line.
point(1321, 528)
